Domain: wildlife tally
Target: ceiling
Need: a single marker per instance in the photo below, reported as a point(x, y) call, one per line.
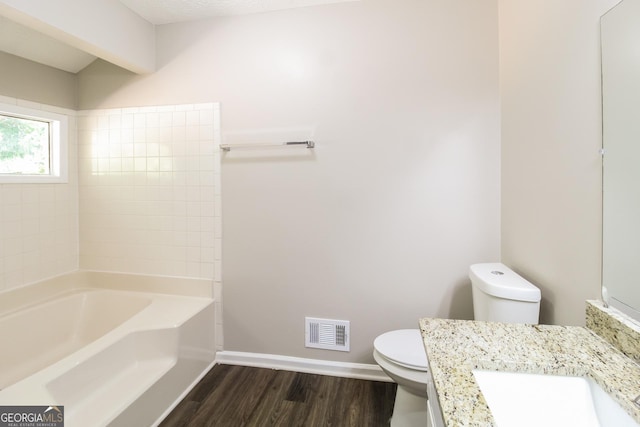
point(24, 42)
point(30, 44)
point(168, 11)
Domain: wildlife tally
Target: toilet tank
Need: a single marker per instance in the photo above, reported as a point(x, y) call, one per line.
point(501, 295)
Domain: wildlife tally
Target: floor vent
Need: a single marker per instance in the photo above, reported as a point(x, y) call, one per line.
point(326, 334)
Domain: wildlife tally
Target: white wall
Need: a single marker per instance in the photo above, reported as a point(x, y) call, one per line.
point(379, 223)
point(551, 134)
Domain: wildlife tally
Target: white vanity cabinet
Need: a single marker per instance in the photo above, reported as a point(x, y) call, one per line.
point(434, 414)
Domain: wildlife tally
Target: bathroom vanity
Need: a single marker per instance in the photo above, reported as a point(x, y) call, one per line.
point(607, 351)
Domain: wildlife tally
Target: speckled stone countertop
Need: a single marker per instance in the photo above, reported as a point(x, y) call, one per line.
point(456, 347)
point(616, 328)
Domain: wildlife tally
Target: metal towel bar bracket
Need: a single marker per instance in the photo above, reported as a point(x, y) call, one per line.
point(228, 147)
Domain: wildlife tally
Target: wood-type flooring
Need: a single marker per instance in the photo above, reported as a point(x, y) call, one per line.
point(230, 396)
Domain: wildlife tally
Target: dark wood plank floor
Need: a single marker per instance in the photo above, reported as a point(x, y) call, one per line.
point(243, 396)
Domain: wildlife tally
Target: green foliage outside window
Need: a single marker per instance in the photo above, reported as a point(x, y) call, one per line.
point(24, 146)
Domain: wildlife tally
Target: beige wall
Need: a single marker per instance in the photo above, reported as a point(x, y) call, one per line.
point(35, 82)
point(551, 167)
point(379, 223)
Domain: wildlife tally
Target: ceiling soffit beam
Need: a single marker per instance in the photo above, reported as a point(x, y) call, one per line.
point(106, 29)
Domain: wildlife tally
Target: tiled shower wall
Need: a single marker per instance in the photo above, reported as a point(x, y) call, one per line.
point(149, 191)
point(143, 197)
point(149, 185)
point(39, 222)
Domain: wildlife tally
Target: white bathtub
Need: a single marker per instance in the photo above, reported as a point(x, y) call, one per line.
point(110, 356)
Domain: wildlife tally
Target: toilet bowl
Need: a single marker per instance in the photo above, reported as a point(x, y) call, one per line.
point(401, 356)
point(499, 295)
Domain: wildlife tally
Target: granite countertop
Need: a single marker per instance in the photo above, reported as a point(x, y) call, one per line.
point(455, 347)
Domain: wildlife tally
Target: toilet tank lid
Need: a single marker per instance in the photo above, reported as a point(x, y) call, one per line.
point(500, 281)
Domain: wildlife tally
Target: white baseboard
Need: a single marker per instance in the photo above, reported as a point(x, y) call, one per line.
point(298, 364)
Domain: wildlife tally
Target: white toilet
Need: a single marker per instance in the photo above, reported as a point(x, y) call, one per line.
point(499, 295)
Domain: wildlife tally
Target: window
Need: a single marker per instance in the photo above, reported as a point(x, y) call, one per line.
point(32, 145)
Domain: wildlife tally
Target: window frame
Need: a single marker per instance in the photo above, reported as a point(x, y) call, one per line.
point(58, 144)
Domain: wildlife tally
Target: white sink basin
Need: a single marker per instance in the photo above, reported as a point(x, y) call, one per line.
point(521, 400)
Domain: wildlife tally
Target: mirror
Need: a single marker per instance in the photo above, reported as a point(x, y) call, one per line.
point(620, 37)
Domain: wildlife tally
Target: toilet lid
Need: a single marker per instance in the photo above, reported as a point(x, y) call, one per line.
point(404, 347)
